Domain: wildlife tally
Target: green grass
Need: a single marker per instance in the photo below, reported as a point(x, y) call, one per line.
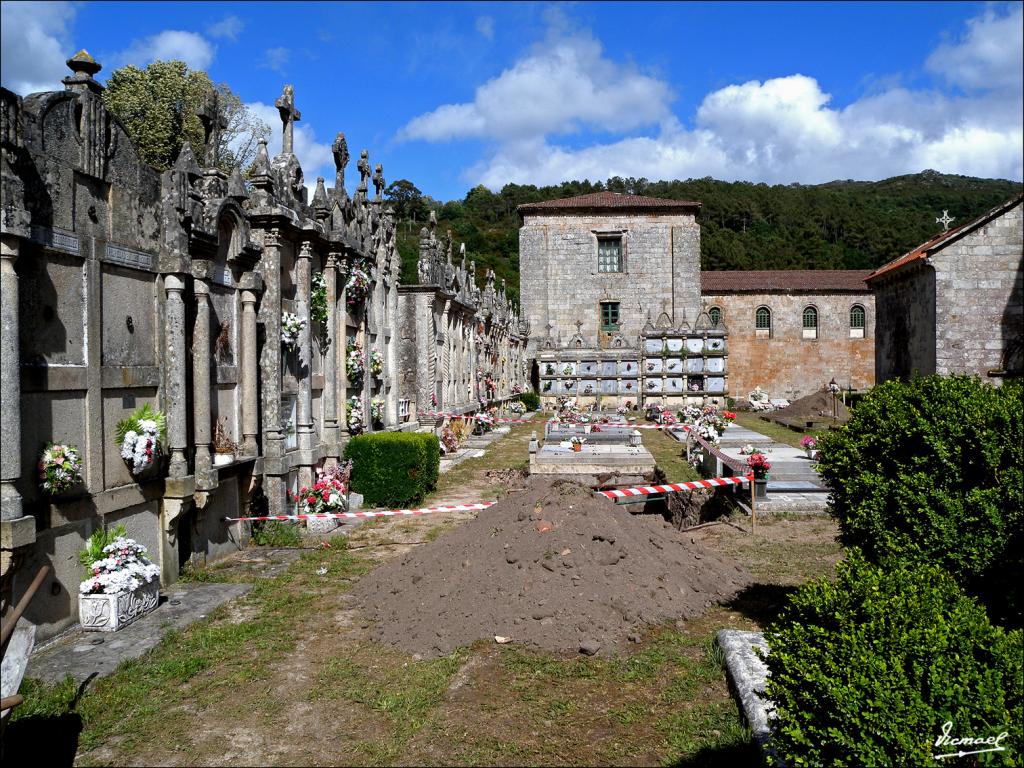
point(776, 432)
point(669, 455)
point(276, 533)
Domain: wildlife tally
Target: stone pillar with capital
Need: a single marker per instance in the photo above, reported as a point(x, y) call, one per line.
point(332, 340)
point(174, 374)
point(201, 431)
point(304, 368)
point(269, 316)
point(249, 372)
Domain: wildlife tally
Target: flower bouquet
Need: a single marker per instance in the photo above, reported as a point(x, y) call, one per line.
point(377, 412)
point(577, 443)
point(291, 327)
point(121, 584)
point(810, 444)
point(141, 437)
point(354, 365)
point(449, 440)
point(60, 468)
point(517, 407)
point(358, 286)
point(729, 416)
point(376, 363)
point(354, 415)
point(759, 465)
point(327, 496)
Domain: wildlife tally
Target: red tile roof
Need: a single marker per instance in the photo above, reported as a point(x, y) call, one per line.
point(604, 201)
point(762, 280)
point(945, 238)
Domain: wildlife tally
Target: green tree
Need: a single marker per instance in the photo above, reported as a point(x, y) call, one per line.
point(406, 199)
point(157, 106)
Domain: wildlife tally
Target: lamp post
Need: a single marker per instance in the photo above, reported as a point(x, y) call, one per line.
point(834, 389)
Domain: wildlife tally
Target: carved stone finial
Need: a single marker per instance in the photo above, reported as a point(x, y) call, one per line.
point(378, 180)
point(289, 116)
point(84, 67)
point(261, 165)
point(213, 121)
point(340, 151)
point(363, 167)
point(320, 204)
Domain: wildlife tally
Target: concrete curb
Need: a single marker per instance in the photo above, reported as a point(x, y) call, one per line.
point(747, 677)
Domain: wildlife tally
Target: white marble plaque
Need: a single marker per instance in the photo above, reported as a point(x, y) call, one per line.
point(628, 368)
point(673, 365)
point(589, 369)
point(608, 369)
point(652, 385)
point(588, 387)
point(716, 345)
point(654, 346)
point(694, 365)
point(674, 345)
point(608, 386)
point(652, 365)
point(716, 384)
point(715, 364)
point(695, 345)
point(674, 385)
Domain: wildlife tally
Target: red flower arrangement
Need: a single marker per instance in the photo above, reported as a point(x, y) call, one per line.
point(327, 495)
point(759, 465)
point(729, 416)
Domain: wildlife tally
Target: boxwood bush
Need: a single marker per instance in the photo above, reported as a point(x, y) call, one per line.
point(866, 670)
point(394, 469)
point(531, 400)
point(932, 470)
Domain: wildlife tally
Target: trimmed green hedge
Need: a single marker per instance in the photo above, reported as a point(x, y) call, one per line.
point(866, 670)
point(394, 469)
point(931, 470)
point(531, 400)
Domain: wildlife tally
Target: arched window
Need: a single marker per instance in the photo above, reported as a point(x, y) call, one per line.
point(763, 322)
point(857, 322)
point(715, 314)
point(810, 323)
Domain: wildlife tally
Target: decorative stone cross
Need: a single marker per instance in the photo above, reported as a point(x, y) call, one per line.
point(289, 116)
point(945, 220)
point(340, 151)
point(378, 180)
point(213, 121)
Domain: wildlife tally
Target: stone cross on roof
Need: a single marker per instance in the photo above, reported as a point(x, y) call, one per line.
point(340, 151)
point(945, 220)
point(289, 116)
point(378, 180)
point(213, 121)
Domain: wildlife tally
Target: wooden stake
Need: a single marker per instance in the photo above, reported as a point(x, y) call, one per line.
point(753, 503)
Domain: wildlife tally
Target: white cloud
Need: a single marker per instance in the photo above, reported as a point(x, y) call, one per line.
point(563, 85)
point(780, 130)
point(276, 58)
point(229, 27)
point(315, 158)
point(190, 47)
point(485, 26)
point(35, 44)
point(989, 55)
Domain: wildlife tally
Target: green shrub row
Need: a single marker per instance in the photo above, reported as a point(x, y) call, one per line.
point(394, 469)
point(932, 471)
point(531, 400)
point(866, 671)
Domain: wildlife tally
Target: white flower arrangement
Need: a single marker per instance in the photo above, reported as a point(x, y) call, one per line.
point(354, 415)
point(125, 567)
point(376, 363)
point(377, 411)
point(354, 365)
point(140, 437)
point(291, 327)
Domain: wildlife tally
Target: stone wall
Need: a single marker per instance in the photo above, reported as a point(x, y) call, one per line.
point(560, 283)
point(785, 364)
point(905, 338)
point(978, 298)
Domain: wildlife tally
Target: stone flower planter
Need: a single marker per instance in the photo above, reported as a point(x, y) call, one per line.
point(109, 613)
point(322, 525)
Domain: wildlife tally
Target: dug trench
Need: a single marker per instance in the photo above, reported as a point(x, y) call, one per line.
point(552, 566)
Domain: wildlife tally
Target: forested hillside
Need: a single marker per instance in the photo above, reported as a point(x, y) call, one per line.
point(839, 225)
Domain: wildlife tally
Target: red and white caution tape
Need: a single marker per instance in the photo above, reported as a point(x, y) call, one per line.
point(647, 490)
point(621, 425)
point(378, 513)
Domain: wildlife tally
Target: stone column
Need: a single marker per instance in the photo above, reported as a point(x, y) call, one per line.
point(304, 408)
point(10, 382)
point(248, 374)
point(201, 381)
point(330, 394)
point(269, 316)
point(175, 363)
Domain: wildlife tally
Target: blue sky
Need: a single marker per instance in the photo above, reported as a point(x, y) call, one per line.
point(452, 95)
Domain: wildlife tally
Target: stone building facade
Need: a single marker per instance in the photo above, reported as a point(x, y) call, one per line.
point(793, 331)
point(123, 286)
point(954, 304)
point(610, 286)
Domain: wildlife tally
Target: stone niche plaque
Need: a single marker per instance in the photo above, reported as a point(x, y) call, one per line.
point(715, 345)
point(588, 387)
point(608, 369)
point(628, 368)
point(567, 387)
point(652, 385)
point(654, 346)
point(608, 386)
point(223, 325)
point(129, 317)
point(629, 387)
point(694, 365)
point(673, 365)
point(652, 365)
point(674, 345)
point(673, 385)
point(566, 369)
point(694, 346)
point(548, 368)
point(547, 387)
point(589, 369)
point(715, 364)
point(51, 308)
point(715, 384)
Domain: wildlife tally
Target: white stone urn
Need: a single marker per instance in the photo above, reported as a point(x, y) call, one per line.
point(109, 613)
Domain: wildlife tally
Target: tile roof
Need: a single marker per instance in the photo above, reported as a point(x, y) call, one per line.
point(945, 238)
point(609, 201)
point(761, 280)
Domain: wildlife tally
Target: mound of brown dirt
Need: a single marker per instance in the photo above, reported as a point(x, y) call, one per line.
point(815, 407)
point(552, 566)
